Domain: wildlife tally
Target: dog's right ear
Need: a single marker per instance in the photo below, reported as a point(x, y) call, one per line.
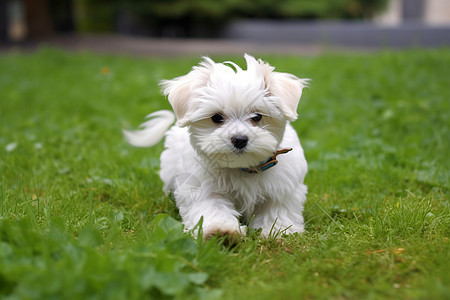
point(180, 90)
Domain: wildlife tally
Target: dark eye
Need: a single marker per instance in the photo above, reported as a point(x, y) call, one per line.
point(257, 118)
point(217, 118)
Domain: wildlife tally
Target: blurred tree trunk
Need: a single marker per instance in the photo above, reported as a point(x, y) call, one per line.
point(62, 15)
point(3, 21)
point(38, 18)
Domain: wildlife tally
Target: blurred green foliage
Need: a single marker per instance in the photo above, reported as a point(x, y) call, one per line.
point(206, 17)
point(96, 16)
point(163, 266)
point(311, 9)
point(319, 9)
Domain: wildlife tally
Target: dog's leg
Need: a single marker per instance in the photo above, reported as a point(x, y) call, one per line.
point(219, 216)
point(282, 215)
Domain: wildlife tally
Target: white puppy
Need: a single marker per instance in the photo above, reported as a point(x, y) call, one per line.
point(220, 157)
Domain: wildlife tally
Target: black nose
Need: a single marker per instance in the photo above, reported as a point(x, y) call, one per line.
point(239, 141)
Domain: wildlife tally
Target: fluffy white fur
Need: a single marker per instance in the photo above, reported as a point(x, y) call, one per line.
point(203, 168)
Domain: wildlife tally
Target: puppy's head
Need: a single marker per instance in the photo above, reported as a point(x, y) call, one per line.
point(236, 117)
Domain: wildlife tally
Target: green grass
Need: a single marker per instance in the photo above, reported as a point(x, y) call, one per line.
point(82, 214)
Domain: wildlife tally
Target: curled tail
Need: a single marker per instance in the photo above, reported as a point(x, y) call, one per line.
point(152, 131)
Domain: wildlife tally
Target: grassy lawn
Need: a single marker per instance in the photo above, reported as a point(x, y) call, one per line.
point(82, 214)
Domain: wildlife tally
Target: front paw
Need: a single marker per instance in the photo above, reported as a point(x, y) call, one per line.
point(230, 230)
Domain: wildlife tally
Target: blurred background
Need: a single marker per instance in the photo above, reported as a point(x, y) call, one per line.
point(352, 23)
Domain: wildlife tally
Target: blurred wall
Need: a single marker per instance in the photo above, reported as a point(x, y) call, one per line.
point(428, 12)
point(437, 12)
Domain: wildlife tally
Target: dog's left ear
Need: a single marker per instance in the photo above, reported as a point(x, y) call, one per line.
point(286, 87)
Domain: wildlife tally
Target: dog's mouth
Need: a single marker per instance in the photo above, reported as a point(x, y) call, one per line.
point(238, 151)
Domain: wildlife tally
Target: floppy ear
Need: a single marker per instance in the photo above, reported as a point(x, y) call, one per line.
point(286, 88)
point(180, 90)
